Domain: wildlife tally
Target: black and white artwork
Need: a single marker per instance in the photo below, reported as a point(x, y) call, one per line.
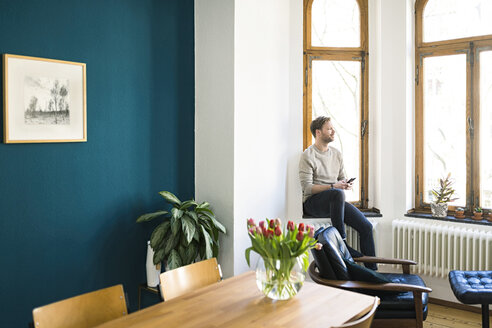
point(46, 100)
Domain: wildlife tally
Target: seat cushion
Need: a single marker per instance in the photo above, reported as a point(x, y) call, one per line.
point(400, 305)
point(472, 287)
point(402, 301)
point(399, 314)
point(360, 273)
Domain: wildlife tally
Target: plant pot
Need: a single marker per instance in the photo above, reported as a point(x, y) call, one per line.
point(489, 217)
point(477, 216)
point(280, 279)
point(439, 210)
point(459, 214)
point(153, 271)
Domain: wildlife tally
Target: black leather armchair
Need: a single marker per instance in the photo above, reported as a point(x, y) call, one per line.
point(403, 301)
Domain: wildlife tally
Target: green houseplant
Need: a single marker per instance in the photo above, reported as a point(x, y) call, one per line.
point(442, 196)
point(188, 232)
point(477, 213)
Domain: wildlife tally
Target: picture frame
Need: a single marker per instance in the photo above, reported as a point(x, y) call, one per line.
point(44, 100)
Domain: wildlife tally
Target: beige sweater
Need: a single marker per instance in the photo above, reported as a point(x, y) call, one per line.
point(319, 168)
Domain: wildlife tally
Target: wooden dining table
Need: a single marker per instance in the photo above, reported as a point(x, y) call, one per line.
point(237, 302)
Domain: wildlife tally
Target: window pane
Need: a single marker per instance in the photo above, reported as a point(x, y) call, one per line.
point(454, 19)
point(336, 93)
point(445, 123)
point(335, 23)
point(486, 129)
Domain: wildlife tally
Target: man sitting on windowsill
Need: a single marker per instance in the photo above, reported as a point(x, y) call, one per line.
point(322, 177)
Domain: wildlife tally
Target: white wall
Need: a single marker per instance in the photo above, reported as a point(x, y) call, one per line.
point(214, 115)
point(261, 115)
point(242, 115)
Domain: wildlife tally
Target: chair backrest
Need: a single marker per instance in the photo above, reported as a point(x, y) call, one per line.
point(189, 277)
point(86, 310)
point(365, 321)
point(329, 259)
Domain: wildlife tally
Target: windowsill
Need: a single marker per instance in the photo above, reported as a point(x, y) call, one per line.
point(449, 219)
point(367, 214)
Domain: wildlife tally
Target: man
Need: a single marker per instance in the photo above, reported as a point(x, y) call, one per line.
point(323, 183)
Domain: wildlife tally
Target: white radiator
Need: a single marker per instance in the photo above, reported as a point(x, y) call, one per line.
point(439, 247)
point(352, 234)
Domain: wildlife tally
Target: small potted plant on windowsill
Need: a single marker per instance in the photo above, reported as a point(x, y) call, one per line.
point(477, 213)
point(442, 195)
point(488, 215)
point(459, 213)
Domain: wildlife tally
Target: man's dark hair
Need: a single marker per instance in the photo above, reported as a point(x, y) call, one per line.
point(318, 123)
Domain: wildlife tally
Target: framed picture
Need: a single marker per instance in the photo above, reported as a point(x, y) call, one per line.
point(44, 100)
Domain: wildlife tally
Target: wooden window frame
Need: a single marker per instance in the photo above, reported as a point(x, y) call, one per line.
point(471, 46)
point(361, 54)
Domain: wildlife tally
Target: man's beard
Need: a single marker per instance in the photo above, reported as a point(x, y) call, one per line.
point(328, 139)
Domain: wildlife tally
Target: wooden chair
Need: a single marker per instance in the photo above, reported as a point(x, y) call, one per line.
point(365, 321)
point(182, 280)
point(86, 310)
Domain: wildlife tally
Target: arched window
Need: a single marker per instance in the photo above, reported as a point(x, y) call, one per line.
point(336, 81)
point(454, 100)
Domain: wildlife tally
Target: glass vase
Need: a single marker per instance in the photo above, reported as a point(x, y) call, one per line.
point(280, 279)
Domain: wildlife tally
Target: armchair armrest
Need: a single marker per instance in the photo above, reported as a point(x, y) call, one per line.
point(372, 259)
point(347, 284)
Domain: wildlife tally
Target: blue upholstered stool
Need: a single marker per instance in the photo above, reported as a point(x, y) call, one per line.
point(473, 287)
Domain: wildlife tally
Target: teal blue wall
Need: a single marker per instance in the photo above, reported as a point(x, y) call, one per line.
point(68, 210)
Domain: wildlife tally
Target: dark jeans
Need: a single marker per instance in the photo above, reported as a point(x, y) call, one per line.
point(331, 203)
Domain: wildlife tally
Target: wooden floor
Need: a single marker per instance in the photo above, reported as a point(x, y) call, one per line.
point(443, 317)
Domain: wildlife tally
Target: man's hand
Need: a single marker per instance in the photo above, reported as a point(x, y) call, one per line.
point(342, 184)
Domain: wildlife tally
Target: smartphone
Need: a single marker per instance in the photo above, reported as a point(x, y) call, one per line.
point(350, 180)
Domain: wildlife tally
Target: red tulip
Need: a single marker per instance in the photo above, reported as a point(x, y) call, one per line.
point(278, 231)
point(291, 226)
point(272, 224)
point(300, 235)
point(301, 227)
point(252, 230)
point(269, 234)
point(262, 224)
point(259, 231)
point(251, 222)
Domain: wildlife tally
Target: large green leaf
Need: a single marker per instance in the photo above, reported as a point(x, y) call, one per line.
point(158, 234)
point(191, 252)
point(170, 197)
point(174, 261)
point(203, 205)
point(215, 250)
point(216, 223)
point(208, 244)
point(204, 210)
point(188, 227)
point(182, 254)
point(196, 236)
point(170, 244)
point(187, 204)
point(193, 215)
point(247, 254)
point(176, 213)
point(175, 226)
point(150, 216)
point(158, 256)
